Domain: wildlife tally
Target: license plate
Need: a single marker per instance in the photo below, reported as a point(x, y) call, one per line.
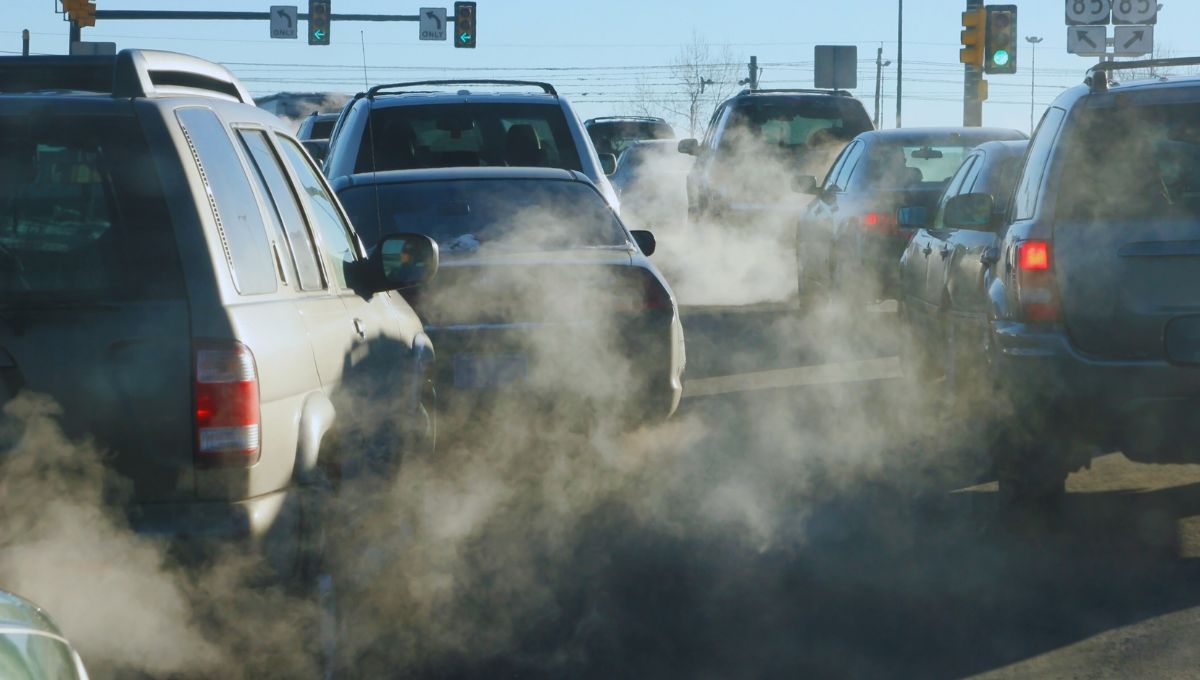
point(481, 371)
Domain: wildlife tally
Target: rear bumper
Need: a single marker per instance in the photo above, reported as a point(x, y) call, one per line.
point(1146, 408)
point(638, 372)
point(196, 531)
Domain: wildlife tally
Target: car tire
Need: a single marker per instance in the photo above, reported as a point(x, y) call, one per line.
point(1030, 475)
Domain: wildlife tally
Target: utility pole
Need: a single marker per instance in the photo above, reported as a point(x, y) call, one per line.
point(25, 43)
point(973, 85)
point(899, 63)
point(879, 64)
point(1032, 40)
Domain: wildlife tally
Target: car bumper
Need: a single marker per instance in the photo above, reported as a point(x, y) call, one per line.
point(196, 531)
point(1147, 408)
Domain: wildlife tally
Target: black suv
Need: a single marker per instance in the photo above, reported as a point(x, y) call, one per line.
point(759, 141)
point(1093, 324)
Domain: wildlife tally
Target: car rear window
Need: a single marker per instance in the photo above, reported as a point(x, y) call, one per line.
point(916, 165)
point(321, 129)
point(1150, 170)
point(467, 135)
point(616, 136)
point(466, 215)
point(800, 123)
point(82, 212)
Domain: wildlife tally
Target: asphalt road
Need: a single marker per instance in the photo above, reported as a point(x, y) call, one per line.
point(827, 523)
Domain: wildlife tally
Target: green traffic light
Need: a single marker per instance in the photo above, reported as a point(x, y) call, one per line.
point(1000, 58)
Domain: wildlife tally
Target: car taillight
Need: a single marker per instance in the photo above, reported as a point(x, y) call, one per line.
point(1035, 282)
point(226, 403)
point(881, 223)
point(645, 292)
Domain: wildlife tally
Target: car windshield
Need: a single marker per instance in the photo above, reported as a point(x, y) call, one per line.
point(616, 136)
point(1151, 170)
point(322, 128)
point(465, 215)
point(68, 230)
point(915, 165)
point(467, 135)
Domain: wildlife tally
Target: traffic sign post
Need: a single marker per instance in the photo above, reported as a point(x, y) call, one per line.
point(433, 23)
point(284, 20)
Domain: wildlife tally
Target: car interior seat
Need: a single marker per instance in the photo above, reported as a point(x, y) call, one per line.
point(522, 147)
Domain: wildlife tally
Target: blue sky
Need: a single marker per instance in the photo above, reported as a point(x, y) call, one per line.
point(609, 52)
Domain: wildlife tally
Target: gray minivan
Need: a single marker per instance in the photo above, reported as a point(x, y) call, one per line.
point(176, 274)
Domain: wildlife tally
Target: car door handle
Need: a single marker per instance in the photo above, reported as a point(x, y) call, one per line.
point(928, 249)
point(945, 252)
point(360, 328)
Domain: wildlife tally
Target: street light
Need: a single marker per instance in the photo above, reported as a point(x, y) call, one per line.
point(1032, 40)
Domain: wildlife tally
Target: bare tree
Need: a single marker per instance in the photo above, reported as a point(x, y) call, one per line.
point(701, 76)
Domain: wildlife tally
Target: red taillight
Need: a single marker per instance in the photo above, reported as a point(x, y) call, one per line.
point(1035, 282)
point(227, 417)
point(881, 223)
point(644, 292)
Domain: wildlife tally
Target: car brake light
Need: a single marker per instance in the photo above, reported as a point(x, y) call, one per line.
point(881, 223)
point(645, 292)
point(1035, 282)
point(226, 402)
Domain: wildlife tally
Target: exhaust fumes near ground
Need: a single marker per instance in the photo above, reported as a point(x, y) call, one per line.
point(464, 556)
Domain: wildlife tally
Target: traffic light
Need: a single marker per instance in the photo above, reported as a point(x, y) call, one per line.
point(318, 22)
point(464, 24)
point(1000, 55)
point(81, 12)
point(973, 22)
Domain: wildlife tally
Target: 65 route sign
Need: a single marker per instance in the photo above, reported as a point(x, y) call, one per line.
point(1088, 12)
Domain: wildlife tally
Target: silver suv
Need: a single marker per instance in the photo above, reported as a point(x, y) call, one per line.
point(177, 275)
point(442, 124)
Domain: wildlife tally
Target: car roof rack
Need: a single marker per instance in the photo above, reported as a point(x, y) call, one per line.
point(796, 90)
point(1098, 76)
point(380, 89)
point(129, 74)
point(648, 119)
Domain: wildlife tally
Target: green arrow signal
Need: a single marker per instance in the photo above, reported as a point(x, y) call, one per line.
point(319, 34)
point(465, 37)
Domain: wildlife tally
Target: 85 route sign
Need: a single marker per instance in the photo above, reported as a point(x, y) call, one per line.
point(1088, 12)
point(1140, 12)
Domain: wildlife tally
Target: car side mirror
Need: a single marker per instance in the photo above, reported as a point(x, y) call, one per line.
point(913, 217)
point(689, 146)
point(404, 261)
point(608, 163)
point(806, 184)
point(317, 148)
point(970, 211)
point(645, 241)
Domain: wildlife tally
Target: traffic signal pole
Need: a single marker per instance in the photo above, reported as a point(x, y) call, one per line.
point(973, 84)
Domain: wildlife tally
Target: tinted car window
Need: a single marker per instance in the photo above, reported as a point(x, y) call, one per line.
point(915, 165)
point(467, 135)
point(469, 214)
point(1026, 196)
point(286, 209)
point(616, 136)
point(1149, 171)
point(321, 129)
point(82, 214)
point(232, 201)
point(335, 233)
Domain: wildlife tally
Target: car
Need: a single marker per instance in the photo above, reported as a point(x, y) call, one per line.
point(755, 145)
point(1090, 341)
point(615, 134)
point(32, 646)
point(441, 123)
point(543, 295)
point(176, 274)
point(316, 126)
point(651, 179)
point(314, 133)
point(942, 296)
point(848, 239)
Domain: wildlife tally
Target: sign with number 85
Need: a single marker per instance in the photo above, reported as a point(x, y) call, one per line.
point(1135, 11)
